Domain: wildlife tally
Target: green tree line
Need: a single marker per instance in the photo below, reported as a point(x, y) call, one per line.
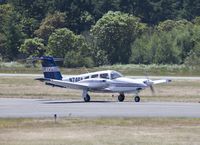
point(99, 32)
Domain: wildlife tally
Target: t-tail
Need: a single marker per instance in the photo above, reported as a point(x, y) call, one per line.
point(49, 67)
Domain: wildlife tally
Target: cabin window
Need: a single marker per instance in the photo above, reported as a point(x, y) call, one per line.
point(105, 76)
point(94, 76)
point(86, 77)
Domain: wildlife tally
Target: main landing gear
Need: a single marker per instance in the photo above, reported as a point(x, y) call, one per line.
point(137, 99)
point(86, 96)
point(121, 98)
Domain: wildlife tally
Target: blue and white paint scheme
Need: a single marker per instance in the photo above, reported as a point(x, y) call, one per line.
point(108, 81)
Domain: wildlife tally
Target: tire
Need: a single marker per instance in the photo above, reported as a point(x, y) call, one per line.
point(137, 99)
point(87, 98)
point(121, 98)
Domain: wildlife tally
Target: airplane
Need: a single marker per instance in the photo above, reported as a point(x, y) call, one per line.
point(108, 81)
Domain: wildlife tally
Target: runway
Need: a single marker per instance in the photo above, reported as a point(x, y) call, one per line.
point(15, 108)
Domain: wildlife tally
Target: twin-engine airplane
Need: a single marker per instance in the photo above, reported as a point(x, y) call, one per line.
point(108, 81)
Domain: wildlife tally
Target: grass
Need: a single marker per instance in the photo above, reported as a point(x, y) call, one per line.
point(27, 87)
point(102, 131)
point(128, 69)
point(153, 69)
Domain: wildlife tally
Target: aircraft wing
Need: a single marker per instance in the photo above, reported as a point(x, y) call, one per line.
point(91, 84)
point(66, 84)
point(161, 81)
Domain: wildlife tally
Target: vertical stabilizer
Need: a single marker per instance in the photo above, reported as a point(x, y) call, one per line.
point(50, 69)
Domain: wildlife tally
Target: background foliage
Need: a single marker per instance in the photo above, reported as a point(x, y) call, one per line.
point(98, 32)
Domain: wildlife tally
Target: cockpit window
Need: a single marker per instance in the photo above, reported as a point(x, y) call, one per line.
point(115, 75)
point(94, 76)
point(104, 76)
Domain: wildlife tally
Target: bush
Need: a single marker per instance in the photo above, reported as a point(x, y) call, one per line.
point(74, 59)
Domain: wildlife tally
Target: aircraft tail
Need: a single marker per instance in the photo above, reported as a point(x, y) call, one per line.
point(50, 69)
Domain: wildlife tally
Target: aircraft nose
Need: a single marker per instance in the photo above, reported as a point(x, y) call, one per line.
point(147, 83)
point(144, 85)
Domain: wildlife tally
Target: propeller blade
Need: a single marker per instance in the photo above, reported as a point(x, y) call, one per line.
point(149, 83)
point(152, 89)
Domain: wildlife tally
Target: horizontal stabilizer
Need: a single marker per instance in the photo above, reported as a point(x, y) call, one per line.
point(45, 58)
point(42, 79)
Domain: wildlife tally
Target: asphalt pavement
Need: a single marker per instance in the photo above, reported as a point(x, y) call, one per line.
point(15, 108)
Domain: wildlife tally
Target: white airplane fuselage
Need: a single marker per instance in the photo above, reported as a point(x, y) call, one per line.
point(111, 85)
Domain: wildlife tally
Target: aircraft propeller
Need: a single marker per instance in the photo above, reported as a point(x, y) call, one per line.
point(152, 89)
point(150, 84)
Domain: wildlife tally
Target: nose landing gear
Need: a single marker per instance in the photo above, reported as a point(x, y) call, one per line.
point(137, 99)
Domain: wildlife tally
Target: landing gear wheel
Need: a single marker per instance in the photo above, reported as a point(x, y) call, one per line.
point(87, 98)
point(137, 99)
point(121, 98)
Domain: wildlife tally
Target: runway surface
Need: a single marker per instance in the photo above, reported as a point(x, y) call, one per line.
point(65, 108)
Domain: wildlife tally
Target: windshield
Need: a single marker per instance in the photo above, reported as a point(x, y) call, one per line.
point(115, 75)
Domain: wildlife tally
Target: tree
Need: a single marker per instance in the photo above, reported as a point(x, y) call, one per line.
point(115, 32)
point(33, 47)
point(36, 9)
point(81, 15)
point(193, 57)
point(167, 25)
point(184, 40)
point(12, 30)
point(2, 45)
point(99, 56)
point(61, 41)
point(192, 8)
point(65, 44)
point(77, 59)
point(49, 24)
point(142, 49)
point(157, 47)
point(167, 51)
point(29, 25)
point(182, 33)
point(196, 20)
